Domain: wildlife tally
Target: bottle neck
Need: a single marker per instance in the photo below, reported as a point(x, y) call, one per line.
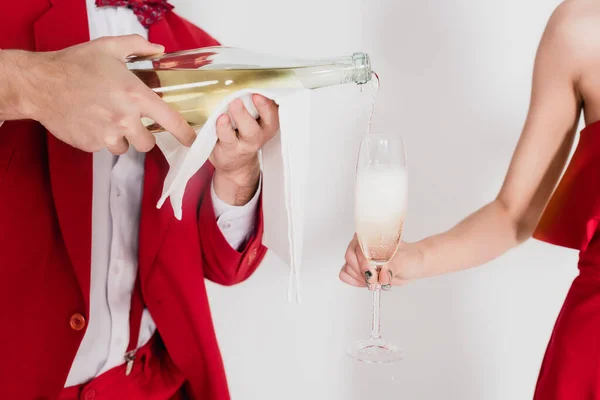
point(351, 69)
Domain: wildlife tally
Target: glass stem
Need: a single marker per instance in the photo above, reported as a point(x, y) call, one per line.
point(375, 325)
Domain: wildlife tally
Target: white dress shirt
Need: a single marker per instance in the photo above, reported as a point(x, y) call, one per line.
point(117, 193)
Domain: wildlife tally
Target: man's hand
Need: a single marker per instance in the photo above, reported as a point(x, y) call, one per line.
point(87, 98)
point(235, 157)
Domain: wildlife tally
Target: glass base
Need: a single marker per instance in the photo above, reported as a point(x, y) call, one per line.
point(375, 351)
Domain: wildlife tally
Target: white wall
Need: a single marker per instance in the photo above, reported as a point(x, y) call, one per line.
point(455, 81)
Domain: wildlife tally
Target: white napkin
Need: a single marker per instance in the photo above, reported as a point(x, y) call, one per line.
point(284, 171)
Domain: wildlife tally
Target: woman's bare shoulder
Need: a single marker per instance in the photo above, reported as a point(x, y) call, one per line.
point(576, 22)
point(572, 35)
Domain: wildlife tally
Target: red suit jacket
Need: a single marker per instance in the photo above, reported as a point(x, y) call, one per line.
point(45, 234)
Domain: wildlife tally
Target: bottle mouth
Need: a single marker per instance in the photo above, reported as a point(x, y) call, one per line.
point(362, 68)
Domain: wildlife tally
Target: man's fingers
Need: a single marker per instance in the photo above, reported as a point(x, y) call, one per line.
point(122, 47)
point(247, 126)
point(116, 144)
point(140, 138)
point(268, 111)
point(152, 106)
point(225, 132)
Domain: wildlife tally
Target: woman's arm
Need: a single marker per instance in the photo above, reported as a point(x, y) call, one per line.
point(537, 163)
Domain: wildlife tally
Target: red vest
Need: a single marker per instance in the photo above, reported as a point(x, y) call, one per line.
point(45, 234)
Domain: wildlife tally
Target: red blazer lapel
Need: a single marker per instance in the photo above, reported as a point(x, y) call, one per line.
point(65, 24)
point(154, 222)
point(175, 34)
point(62, 25)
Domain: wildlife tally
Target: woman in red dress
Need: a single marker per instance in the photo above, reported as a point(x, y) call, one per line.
point(566, 82)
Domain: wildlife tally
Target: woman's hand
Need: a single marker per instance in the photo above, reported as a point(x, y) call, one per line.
point(406, 265)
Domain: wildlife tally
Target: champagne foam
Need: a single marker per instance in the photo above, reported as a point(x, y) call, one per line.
point(380, 209)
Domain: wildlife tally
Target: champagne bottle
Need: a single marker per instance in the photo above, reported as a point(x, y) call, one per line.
point(194, 82)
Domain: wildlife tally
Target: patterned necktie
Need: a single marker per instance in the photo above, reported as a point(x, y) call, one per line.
point(147, 11)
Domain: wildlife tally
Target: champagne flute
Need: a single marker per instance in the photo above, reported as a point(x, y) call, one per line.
point(379, 212)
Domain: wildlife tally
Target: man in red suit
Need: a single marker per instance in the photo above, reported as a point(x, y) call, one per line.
point(102, 295)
